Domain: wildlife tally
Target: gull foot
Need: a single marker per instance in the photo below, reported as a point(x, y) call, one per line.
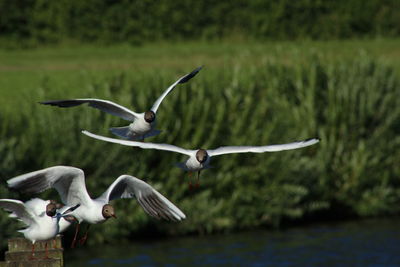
point(82, 240)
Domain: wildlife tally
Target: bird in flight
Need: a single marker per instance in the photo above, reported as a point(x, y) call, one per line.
point(199, 159)
point(70, 184)
point(142, 124)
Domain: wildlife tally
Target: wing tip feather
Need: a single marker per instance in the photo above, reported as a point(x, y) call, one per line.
point(312, 141)
point(189, 76)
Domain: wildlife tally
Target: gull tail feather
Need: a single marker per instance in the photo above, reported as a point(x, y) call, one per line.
point(181, 165)
point(122, 132)
point(152, 133)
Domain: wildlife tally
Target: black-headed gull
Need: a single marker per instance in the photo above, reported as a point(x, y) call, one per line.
point(143, 124)
point(41, 217)
point(199, 159)
point(70, 184)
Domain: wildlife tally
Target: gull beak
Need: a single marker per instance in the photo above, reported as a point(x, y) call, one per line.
point(115, 216)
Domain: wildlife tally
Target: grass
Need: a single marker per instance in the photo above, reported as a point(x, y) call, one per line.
point(77, 67)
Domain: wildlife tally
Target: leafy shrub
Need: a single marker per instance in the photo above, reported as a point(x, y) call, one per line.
point(32, 22)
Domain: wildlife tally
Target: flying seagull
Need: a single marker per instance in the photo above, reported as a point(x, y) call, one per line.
point(199, 159)
point(41, 216)
point(143, 124)
point(70, 184)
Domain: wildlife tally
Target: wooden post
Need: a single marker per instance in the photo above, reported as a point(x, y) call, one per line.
point(19, 253)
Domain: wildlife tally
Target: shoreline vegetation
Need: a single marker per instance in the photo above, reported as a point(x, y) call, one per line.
point(345, 92)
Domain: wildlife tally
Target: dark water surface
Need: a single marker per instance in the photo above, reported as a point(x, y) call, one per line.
point(366, 243)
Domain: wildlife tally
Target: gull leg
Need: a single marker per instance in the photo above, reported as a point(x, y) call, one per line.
point(84, 238)
point(32, 252)
point(190, 182)
point(76, 234)
point(46, 251)
point(198, 179)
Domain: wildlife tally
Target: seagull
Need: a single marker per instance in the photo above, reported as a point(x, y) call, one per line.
point(40, 216)
point(199, 159)
point(143, 124)
point(70, 184)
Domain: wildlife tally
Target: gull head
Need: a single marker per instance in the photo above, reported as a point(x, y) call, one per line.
point(51, 208)
point(59, 205)
point(201, 155)
point(108, 211)
point(149, 116)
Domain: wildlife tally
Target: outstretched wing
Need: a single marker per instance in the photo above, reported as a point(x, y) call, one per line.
point(18, 209)
point(183, 79)
point(143, 145)
point(153, 203)
point(68, 181)
point(104, 105)
point(261, 149)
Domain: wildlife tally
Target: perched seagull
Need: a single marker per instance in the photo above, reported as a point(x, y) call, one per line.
point(143, 124)
point(40, 216)
point(199, 159)
point(70, 184)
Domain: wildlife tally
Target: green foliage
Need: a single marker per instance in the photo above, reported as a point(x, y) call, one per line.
point(352, 105)
point(32, 22)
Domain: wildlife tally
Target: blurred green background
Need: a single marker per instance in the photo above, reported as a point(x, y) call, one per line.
point(274, 72)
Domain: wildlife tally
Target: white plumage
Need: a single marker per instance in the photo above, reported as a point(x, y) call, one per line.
point(70, 184)
point(40, 226)
point(143, 124)
point(200, 158)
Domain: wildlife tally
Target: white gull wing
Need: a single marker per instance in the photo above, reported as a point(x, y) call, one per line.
point(104, 105)
point(183, 79)
point(68, 181)
point(165, 147)
point(19, 210)
point(261, 149)
point(153, 203)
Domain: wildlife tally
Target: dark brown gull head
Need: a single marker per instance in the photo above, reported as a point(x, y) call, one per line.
point(201, 155)
point(149, 116)
point(108, 211)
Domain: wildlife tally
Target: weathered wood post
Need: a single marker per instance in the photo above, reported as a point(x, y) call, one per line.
point(19, 253)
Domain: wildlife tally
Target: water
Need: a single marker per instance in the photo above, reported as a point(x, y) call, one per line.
point(367, 243)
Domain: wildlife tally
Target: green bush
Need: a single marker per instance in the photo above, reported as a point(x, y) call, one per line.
point(352, 106)
point(33, 22)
